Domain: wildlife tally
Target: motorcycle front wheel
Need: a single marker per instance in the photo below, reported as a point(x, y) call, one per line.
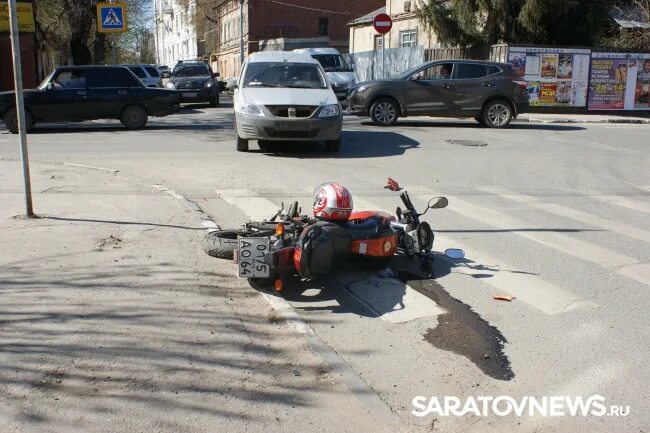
point(223, 243)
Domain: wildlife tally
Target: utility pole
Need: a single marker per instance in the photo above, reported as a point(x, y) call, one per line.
point(20, 106)
point(241, 34)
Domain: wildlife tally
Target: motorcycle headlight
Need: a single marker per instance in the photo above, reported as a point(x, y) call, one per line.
point(251, 110)
point(208, 84)
point(330, 110)
point(170, 85)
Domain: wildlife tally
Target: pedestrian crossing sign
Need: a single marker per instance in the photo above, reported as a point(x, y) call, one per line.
point(111, 17)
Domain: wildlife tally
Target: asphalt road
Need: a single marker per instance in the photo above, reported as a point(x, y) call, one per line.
point(554, 215)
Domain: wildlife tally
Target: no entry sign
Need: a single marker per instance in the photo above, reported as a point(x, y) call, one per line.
point(382, 23)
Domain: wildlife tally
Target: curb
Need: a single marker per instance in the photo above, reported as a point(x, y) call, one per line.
point(620, 121)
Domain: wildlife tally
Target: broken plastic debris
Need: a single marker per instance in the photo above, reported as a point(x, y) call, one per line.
point(393, 185)
point(504, 298)
point(387, 273)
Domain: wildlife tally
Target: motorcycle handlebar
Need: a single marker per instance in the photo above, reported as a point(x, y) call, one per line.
point(398, 226)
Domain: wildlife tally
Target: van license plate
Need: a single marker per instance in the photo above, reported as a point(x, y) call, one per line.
point(252, 252)
point(292, 126)
point(189, 94)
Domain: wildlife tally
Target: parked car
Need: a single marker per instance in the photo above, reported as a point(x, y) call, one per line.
point(148, 74)
point(341, 76)
point(77, 93)
point(284, 96)
point(195, 82)
point(164, 71)
point(490, 92)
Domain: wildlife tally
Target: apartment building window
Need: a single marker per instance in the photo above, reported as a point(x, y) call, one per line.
point(408, 38)
point(323, 26)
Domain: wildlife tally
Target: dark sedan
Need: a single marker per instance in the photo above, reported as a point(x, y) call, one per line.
point(490, 92)
point(195, 82)
point(77, 93)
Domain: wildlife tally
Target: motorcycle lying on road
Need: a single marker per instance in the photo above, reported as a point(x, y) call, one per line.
point(287, 244)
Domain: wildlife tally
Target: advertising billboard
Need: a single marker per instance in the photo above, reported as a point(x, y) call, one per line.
point(556, 77)
point(619, 81)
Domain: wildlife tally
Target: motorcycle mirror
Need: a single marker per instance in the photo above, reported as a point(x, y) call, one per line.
point(455, 253)
point(398, 212)
point(438, 203)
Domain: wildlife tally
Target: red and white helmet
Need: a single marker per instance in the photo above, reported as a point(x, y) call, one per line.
point(332, 202)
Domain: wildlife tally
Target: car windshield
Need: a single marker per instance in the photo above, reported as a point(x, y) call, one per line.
point(332, 62)
point(284, 74)
point(191, 71)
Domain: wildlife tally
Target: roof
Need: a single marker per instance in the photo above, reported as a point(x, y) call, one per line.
point(367, 18)
point(629, 18)
point(316, 51)
point(280, 56)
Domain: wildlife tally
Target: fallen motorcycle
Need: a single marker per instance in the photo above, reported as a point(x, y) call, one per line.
point(288, 243)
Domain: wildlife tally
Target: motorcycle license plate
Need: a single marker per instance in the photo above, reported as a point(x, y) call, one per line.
point(252, 252)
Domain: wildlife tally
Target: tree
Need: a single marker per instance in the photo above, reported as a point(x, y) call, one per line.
point(635, 35)
point(69, 27)
point(486, 22)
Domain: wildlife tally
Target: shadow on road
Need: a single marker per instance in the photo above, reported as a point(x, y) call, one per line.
point(354, 144)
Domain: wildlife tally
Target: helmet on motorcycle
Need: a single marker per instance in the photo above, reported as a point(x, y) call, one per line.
point(332, 202)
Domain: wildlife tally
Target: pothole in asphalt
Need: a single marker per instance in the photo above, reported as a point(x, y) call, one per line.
point(462, 331)
point(474, 143)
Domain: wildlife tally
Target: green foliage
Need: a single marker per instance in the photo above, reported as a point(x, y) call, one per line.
point(487, 22)
point(69, 28)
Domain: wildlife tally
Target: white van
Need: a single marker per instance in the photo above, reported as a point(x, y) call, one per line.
point(339, 73)
point(284, 96)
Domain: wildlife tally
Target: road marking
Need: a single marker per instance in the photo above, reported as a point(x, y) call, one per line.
point(604, 257)
point(91, 167)
point(528, 288)
point(255, 207)
point(614, 226)
point(618, 200)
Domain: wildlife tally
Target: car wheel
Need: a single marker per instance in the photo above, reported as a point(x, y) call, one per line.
point(384, 112)
point(11, 121)
point(264, 144)
point(333, 145)
point(242, 144)
point(497, 114)
point(134, 117)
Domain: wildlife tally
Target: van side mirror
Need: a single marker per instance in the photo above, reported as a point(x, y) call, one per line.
point(216, 74)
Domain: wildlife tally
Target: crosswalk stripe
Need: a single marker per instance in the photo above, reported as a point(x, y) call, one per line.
point(623, 202)
point(528, 288)
point(255, 207)
point(608, 259)
point(615, 226)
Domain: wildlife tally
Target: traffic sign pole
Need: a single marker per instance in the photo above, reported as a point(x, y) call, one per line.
point(382, 24)
point(113, 56)
point(20, 105)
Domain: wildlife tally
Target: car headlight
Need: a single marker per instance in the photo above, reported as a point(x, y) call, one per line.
point(360, 89)
point(251, 110)
point(330, 110)
point(208, 84)
point(170, 85)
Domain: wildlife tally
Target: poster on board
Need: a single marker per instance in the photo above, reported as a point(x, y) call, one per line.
point(619, 81)
point(555, 76)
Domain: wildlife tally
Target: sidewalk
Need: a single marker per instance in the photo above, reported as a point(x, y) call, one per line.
point(113, 319)
point(580, 118)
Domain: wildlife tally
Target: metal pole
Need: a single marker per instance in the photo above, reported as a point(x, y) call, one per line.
point(113, 61)
point(383, 57)
point(241, 33)
point(20, 106)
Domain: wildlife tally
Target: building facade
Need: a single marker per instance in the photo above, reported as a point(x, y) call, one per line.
point(176, 37)
point(407, 31)
point(281, 25)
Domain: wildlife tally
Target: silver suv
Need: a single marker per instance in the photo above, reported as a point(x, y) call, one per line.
point(148, 74)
